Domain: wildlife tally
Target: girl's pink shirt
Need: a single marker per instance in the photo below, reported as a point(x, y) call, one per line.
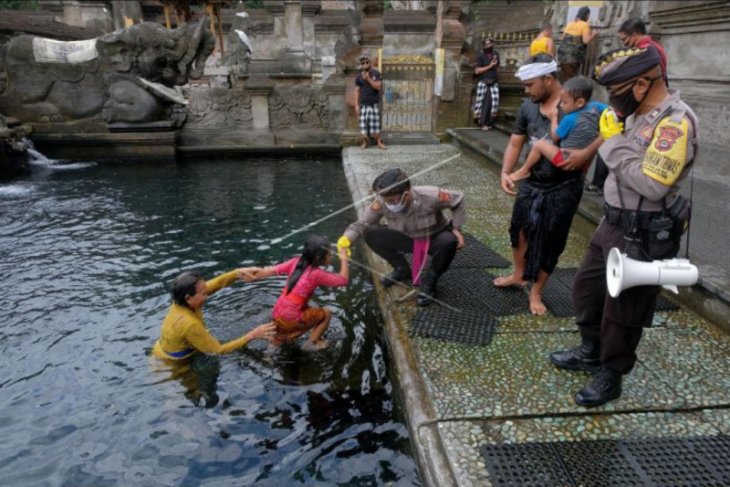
point(312, 277)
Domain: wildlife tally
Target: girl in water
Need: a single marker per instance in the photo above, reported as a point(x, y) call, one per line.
point(292, 314)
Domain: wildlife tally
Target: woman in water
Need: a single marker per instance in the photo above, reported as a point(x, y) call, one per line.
point(184, 332)
point(292, 314)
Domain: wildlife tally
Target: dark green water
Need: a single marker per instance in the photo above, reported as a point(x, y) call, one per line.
point(86, 253)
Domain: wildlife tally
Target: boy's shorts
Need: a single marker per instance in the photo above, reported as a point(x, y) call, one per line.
point(287, 330)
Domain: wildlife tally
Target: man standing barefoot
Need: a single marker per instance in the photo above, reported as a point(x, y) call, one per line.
point(548, 199)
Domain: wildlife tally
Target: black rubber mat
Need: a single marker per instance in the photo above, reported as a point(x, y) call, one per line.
point(474, 254)
point(524, 465)
point(558, 294)
point(696, 461)
point(471, 288)
point(468, 326)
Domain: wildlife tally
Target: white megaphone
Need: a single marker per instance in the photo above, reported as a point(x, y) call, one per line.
point(623, 273)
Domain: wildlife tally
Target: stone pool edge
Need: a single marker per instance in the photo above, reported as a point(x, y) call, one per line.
point(428, 446)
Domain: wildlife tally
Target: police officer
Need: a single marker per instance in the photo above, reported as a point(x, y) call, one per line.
point(647, 162)
point(415, 223)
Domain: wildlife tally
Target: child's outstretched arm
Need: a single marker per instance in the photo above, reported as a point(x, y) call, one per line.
point(344, 264)
point(250, 274)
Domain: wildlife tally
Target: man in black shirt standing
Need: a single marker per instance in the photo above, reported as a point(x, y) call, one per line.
point(545, 202)
point(487, 101)
point(368, 85)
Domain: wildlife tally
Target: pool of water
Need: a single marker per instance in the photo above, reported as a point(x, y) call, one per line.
point(87, 252)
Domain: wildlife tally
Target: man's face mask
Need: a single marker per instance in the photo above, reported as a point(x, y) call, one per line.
point(397, 207)
point(488, 47)
point(625, 103)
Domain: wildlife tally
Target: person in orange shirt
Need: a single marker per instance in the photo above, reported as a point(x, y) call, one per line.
point(543, 43)
point(184, 333)
point(572, 50)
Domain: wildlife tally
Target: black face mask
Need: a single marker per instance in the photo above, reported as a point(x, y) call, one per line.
point(625, 103)
point(489, 49)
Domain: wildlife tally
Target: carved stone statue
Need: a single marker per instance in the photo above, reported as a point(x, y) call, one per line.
point(124, 76)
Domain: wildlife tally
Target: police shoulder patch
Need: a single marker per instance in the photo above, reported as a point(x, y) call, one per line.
point(375, 205)
point(444, 197)
point(666, 155)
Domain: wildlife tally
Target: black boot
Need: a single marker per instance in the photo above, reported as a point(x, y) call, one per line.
point(427, 288)
point(584, 357)
point(401, 273)
point(606, 386)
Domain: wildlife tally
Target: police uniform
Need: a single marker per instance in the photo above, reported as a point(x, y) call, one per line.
point(423, 218)
point(647, 163)
point(647, 158)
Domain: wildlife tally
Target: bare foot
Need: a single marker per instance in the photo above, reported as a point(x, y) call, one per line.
point(382, 146)
point(509, 280)
point(537, 307)
point(314, 346)
point(518, 175)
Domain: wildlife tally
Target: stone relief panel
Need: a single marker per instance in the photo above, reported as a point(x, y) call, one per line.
point(298, 107)
point(219, 107)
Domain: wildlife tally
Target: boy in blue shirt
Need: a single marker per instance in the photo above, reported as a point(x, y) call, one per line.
point(577, 130)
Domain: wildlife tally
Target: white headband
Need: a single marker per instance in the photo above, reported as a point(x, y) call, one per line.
point(535, 70)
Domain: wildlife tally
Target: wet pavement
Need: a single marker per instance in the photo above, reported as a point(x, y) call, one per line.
point(459, 398)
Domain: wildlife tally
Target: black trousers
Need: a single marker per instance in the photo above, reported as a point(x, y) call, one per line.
point(616, 324)
point(391, 245)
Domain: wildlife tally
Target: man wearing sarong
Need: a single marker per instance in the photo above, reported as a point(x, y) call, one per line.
point(548, 199)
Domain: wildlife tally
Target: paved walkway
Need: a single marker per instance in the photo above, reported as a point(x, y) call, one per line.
point(459, 398)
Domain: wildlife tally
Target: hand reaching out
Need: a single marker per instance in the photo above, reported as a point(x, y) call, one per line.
point(265, 332)
point(248, 274)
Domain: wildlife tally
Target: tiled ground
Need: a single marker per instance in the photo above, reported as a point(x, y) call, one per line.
point(509, 391)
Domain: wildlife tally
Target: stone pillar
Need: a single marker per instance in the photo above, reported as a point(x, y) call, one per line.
point(88, 14)
point(295, 60)
point(334, 88)
point(293, 25)
point(260, 87)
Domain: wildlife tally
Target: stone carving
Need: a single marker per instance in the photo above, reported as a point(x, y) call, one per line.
point(298, 107)
point(52, 81)
point(408, 59)
point(219, 107)
point(14, 147)
point(240, 50)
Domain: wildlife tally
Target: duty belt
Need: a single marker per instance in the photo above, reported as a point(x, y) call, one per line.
point(627, 218)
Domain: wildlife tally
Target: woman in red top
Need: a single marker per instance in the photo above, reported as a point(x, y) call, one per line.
point(292, 314)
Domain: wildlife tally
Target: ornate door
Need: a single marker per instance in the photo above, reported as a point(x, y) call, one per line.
point(407, 94)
